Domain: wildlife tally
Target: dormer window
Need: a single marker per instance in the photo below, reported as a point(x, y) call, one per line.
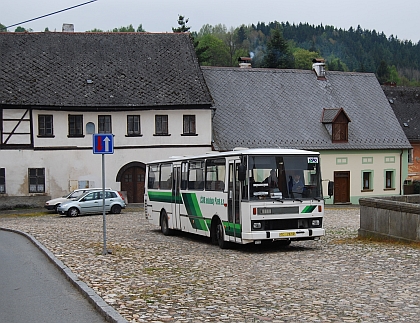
point(336, 121)
point(340, 132)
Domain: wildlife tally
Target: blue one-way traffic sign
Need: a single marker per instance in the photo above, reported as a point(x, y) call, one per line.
point(103, 143)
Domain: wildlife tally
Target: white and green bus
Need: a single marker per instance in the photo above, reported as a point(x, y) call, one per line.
point(242, 196)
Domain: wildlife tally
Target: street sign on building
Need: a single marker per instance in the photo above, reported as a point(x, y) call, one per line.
point(103, 143)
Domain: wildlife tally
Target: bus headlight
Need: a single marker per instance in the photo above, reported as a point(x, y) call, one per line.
point(256, 225)
point(315, 223)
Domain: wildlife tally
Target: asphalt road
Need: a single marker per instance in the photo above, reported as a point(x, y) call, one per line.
point(33, 290)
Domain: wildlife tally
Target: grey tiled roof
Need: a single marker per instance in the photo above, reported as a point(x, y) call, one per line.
point(328, 115)
point(100, 70)
point(283, 108)
point(405, 101)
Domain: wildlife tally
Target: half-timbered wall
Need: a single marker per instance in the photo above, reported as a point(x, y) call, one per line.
point(16, 127)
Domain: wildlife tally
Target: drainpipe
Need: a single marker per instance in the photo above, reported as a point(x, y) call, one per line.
point(213, 113)
point(402, 152)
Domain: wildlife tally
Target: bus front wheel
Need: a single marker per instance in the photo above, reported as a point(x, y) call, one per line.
point(164, 223)
point(220, 236)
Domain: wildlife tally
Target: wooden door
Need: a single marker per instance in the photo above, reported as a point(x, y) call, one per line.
point(341, 187)
point(133, 183)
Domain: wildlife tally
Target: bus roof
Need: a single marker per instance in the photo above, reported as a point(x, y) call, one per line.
point(240, 152)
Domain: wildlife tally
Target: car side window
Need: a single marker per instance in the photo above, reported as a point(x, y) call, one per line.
point(89, 197)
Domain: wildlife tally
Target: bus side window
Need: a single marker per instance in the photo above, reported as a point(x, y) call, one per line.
point(196, 176)
point(165, 176)
point(153, 181)
point(215, 174)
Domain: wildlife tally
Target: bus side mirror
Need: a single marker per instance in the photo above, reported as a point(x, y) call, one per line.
point(241, 172)
point(330, 188)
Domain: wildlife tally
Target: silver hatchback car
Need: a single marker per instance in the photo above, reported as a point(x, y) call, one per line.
point(92, 202)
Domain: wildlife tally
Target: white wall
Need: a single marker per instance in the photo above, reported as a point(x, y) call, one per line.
point(62, 167)
point(382, 160)
point(119, 129)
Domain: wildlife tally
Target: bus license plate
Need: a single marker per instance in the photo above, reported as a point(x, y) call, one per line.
point(287, 234)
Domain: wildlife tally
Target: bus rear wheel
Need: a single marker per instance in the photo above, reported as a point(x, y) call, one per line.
point(164, 223)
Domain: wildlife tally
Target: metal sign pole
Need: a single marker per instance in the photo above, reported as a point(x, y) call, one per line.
point(103, 144)
point(105, 251)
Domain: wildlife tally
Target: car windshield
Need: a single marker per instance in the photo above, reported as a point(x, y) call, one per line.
point(75, 194)
point(283, 177)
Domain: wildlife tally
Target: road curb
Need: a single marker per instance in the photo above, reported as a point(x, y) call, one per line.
point(107, 311)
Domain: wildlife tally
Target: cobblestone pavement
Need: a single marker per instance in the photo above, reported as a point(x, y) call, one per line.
point(183, 278)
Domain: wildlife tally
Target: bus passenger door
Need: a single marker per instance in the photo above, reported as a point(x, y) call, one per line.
point(233, 229)
point(176, 197)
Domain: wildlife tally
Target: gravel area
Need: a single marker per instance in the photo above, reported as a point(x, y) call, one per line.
point(150, 277)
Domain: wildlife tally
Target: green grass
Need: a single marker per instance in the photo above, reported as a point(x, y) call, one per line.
point(23, 213)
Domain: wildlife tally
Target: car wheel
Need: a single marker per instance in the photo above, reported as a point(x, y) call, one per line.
point(55, 208)
point(73, 212)
point(116, 209)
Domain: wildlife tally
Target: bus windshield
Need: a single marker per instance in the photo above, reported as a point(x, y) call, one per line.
point(283, 177)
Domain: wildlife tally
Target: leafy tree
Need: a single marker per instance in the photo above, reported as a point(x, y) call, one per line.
point(382, 72)
point(303, 58)
point(95, 30)
point(199, 51)
point(278, 54)
point(205, 30)
point(20, 30)
point(336, 64)
point(241, 34)
point(257, 43)
point(2, 28)
point(393, 75)
point(216, 52)
point(129, 28)
point(219, 30)
point(182, 22)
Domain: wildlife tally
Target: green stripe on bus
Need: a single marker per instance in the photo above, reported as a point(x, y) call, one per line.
point(233, 229)
point(309, 209)
point(194, 212)
point(166, 197)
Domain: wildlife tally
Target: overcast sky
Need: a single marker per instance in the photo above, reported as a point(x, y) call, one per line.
point(399, 18)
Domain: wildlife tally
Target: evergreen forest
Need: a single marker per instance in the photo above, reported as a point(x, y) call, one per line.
point(285, 45)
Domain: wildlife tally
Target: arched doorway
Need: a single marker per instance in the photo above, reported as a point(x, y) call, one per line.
point(131, 177)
